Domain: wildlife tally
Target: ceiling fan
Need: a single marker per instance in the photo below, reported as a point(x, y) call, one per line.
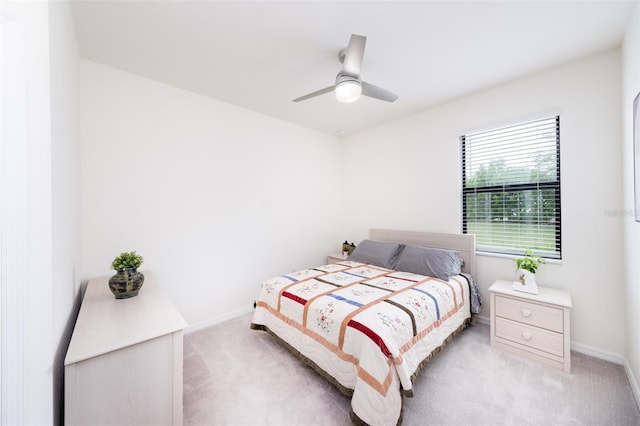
point(349, 86)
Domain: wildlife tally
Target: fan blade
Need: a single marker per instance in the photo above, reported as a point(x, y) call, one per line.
point(314, 94)
point(378, 92)
point(353, 55)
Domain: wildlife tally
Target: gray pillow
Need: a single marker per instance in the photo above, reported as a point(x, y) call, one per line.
point(434, 262)
point(377, 253)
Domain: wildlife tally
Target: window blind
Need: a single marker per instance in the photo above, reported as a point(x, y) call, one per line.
point(511, 188)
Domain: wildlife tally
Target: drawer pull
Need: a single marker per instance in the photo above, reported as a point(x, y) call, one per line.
point(526, 313)
point(526, 335)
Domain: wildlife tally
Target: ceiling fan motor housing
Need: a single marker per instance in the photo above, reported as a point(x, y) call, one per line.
point(342, 77)
point(348, 88)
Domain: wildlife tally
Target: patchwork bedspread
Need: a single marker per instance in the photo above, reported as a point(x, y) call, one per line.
point(366, 327)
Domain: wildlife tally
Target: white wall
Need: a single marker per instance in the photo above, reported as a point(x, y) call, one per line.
point(65, 158)
point(34, 403)
point(65, 189)
point(38, 338)
point(13, 212)
point(413, 166)
point(52, 205)
point(631, 89)
point(216, 198)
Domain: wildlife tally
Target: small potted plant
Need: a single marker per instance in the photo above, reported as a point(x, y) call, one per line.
point(526, 268)
point(127, 281)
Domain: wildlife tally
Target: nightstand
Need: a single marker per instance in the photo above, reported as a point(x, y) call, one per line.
point(335, 258)
point(535, 326)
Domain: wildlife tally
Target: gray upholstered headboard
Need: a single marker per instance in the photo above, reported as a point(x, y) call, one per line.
point(464, 244)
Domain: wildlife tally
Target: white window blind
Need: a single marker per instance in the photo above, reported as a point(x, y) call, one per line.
point(511, 188)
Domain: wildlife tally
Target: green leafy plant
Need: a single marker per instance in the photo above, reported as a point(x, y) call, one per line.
point(529, 262)
point(127, 260)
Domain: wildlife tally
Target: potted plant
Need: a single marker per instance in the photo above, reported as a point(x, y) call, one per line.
point(127, 281)
point(526, 268)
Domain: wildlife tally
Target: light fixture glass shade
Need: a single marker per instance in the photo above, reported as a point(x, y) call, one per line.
point(348, 91)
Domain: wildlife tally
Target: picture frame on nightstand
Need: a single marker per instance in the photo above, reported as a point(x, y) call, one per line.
point(336, 257)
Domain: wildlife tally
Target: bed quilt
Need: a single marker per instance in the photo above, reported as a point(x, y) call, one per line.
point(367, 327)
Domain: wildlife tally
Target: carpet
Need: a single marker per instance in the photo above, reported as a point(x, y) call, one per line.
point(241, 377)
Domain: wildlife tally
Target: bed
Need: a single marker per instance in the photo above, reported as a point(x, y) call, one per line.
point(369, 323)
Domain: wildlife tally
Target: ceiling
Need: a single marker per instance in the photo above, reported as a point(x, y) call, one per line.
point(261, 55)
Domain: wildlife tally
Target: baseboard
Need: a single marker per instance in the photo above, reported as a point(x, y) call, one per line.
point(632, 382)
point(598, 353)
point(217, 320)
point(483, 320)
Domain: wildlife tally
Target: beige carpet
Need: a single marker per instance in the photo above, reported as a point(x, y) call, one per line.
point(237, 376)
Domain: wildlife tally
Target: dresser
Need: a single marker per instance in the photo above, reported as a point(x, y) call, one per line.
point(535, 326)
point(124, 362)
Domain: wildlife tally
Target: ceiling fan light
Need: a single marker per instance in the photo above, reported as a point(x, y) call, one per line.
point(348, 91)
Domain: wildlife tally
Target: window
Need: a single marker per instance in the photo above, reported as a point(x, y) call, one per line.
point(511, 188)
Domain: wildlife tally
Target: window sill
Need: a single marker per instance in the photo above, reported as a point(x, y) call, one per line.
point(515, 256)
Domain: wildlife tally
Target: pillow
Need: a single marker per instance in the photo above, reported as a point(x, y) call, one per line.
point(434, 262)
point(377, 253)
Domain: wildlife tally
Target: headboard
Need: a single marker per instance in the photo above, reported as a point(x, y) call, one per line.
point(465, 244)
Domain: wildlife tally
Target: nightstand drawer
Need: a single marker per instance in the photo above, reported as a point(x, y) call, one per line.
point(533, 314)
point(537, 338)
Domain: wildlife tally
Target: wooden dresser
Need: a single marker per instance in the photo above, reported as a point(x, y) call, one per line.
point(124, 363)
point(536, 326)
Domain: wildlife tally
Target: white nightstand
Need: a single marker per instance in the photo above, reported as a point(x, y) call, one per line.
point(335, 258)
point(535, 326)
